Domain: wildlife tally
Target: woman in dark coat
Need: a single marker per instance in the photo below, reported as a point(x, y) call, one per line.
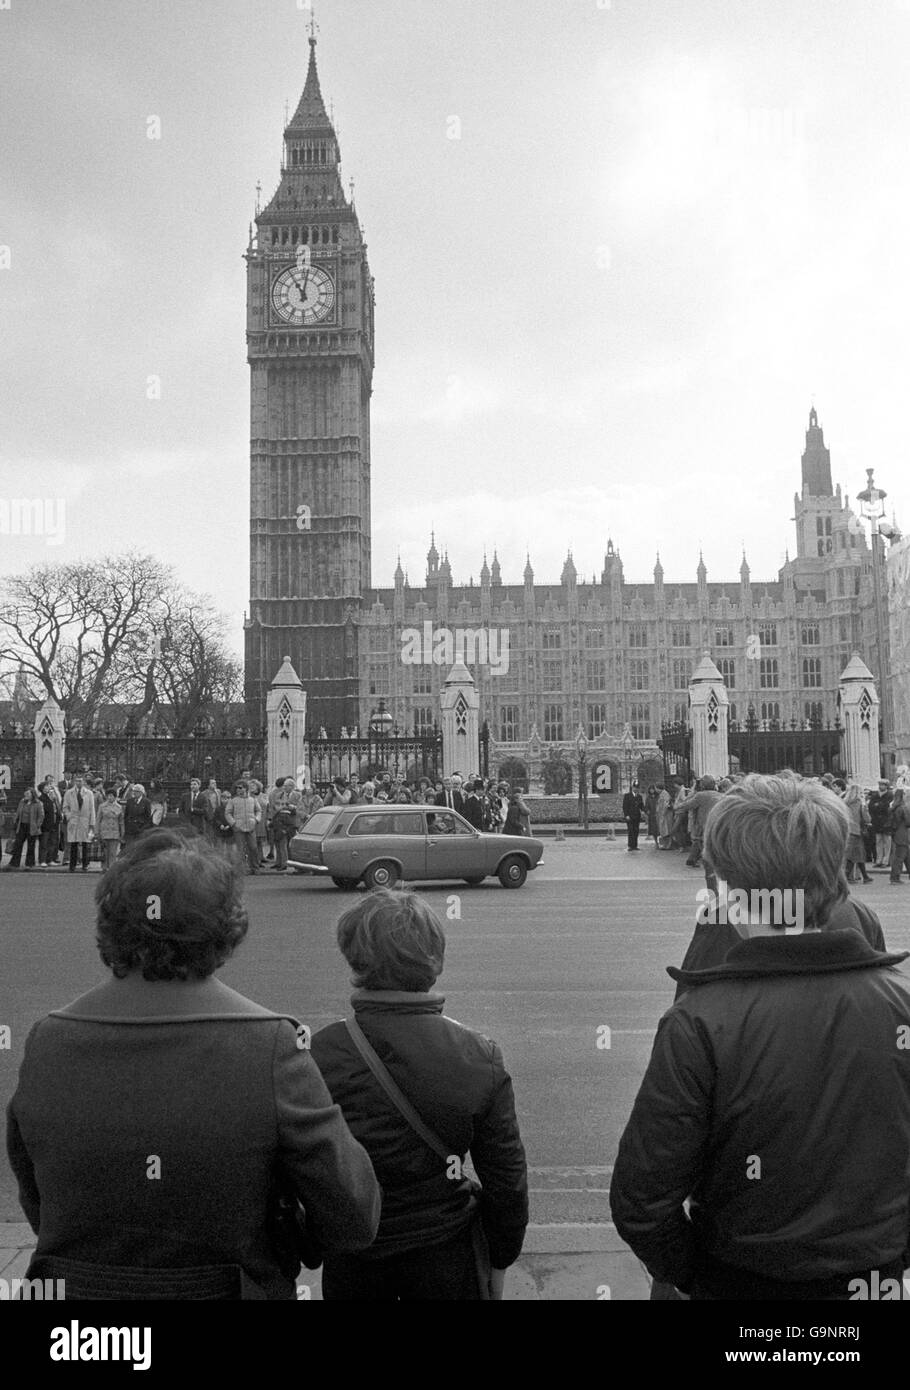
point(651, 808)
point(457, 1082)
point(157, 1116)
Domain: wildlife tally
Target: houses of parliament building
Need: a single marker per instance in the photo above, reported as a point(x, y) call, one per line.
point(595, 652)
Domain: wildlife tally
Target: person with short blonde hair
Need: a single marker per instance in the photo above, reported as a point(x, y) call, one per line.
point(767, 1152)
point(781, 832)
point(456, 1081)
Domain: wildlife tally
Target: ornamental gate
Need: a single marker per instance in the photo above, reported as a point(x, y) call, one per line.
point(405, 757)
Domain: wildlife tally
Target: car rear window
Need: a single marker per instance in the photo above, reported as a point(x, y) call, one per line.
point(318, 822)
point(386, 823)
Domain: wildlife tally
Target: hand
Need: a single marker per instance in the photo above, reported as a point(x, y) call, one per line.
point(497, 1282)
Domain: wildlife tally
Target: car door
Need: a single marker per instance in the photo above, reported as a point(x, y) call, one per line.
point(452, 846)
point(393, 834)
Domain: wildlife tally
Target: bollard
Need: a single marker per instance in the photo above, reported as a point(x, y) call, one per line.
point(611, 833)
point(560, 833)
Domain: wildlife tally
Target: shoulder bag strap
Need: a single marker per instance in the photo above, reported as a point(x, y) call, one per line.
point(400, 1101)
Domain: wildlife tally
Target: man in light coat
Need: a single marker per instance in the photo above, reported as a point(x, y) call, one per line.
point(79, 818)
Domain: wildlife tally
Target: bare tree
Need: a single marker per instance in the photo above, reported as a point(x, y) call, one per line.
point(116, 630)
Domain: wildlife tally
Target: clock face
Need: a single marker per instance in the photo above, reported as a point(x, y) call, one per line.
point(303, 296)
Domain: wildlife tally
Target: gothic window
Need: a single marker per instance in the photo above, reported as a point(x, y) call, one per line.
point(304, 235)
point(379, 681)
point(812, 672)
point(508, 723)
point(727, 668)
point(552, 675)
point(767, 634)
point(597, 675)
point(284, 719)
point(639, 676)
point(552, 641)
point(461, 715)
point(813, 712)
point(732, 712)
point(334, 236)
point(295, 235)
point(423, 719)
point(284, 236)
point(723, 637)
point(680, 635)
point(638, 635)
point(325, 236)
point(768, 675)
point(552, 723)
point(594, 637)
point(865, 710)
point(640, 721)
point(770, 711)
point(274, 236)
point(681, 712)
point(597, 720)
point(809, 634)
point(713, 712)
point(422, 680)
point(682, 672)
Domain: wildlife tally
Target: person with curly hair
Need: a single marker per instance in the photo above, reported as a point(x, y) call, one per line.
point(160, 1117)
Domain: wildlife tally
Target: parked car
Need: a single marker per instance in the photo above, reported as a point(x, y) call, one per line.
point(382, 846)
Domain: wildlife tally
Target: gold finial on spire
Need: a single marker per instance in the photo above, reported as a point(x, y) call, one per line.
point(314, 27)
point(258, 198)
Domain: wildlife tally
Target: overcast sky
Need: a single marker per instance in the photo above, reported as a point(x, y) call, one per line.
point(605, 310)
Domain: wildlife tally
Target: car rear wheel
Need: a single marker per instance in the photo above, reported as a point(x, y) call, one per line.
point(473, 882)
point(512, 871)
point(346, 883)
point(381, 875)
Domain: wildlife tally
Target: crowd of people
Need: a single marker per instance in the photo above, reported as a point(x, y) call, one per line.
point(676, 817)
point(82, 815)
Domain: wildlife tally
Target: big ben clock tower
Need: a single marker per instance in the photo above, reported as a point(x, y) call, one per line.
point(310, 349)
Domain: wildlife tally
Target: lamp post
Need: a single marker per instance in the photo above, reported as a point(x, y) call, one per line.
point(872, 506)
point(381, 723)
point(581, 747)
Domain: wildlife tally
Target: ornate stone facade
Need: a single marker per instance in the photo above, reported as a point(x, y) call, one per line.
point(604, 652)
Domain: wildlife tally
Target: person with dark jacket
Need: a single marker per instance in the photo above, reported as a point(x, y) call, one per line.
point(777, 1098)
point(450, 795)
point(29, 820)
point(158, 1116)
point(899, 821)
point(457, 1082)
point(137, 813)
point(472, 810)
point(633, 809)
point(50, 826)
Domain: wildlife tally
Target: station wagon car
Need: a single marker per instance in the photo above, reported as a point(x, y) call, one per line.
point(384, 845)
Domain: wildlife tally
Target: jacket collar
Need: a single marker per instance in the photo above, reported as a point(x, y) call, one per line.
point(135, 1000)
point(401, 1001)
point(810, 953)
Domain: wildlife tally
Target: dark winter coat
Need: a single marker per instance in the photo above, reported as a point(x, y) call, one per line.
point(712, 941)
point(213, 1086)
point(785, 1056)
point(137, 816)
point(633, 807)
point(473, 811)
point(457, 1082)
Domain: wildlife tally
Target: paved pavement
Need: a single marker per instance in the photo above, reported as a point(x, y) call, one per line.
point(584, 944)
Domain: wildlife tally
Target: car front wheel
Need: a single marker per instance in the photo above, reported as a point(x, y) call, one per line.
point(381, 875)
point(512, 872)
